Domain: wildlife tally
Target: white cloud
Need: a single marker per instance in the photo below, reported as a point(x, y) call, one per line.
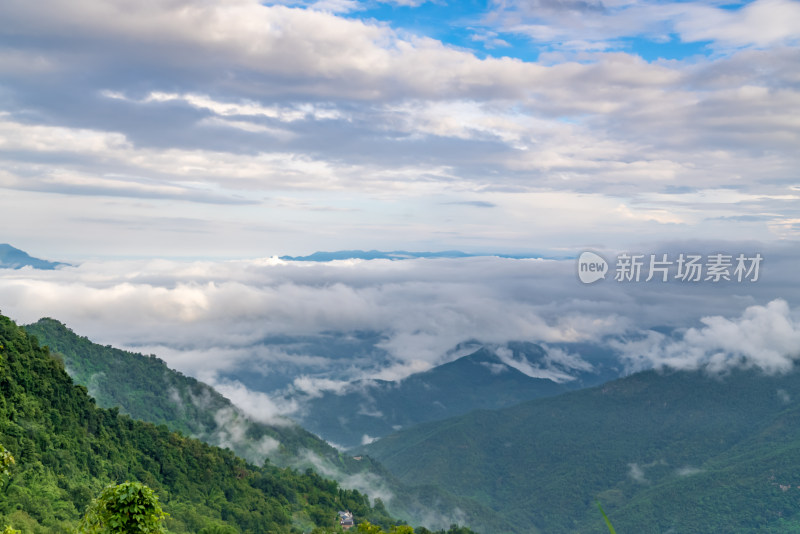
point(259, 329)
point(256, 405)
point(763, 337)
point(245, 108)
point(364, 60)
point(563, 25)
point(637, 474)
point(761, 23)
point(368, 483)
point(242, 103)
point(687, 471)
point(205, 316)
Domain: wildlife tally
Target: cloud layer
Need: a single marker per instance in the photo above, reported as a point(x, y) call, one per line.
point(254, 326)
point(763, 337)
point(230, 128)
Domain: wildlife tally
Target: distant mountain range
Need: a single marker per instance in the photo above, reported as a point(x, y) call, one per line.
point(395, 255)
point(14, 258)
point(675, 452)
point(481, 379)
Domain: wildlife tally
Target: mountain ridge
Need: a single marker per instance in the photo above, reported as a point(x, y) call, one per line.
point(324, 256)
point(14, 258)
point(678, 450)
point(480, 379)
point(144, 387)
point(66, 450)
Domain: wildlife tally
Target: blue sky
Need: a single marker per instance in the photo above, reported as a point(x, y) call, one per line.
point(480, 28)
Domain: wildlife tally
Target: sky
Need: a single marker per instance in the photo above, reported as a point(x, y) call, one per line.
point(237, 129)
point(171, 150)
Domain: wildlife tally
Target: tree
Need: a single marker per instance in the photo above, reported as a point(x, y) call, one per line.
point(6, 461)
point(127, 508)
point(366, 528)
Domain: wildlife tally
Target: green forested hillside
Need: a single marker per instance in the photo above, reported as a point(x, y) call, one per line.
point(146, 389)
point(67, 449)
point(679, 452)
point(477, 380)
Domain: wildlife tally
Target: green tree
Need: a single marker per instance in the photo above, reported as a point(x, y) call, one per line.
point(126, 508)
point(218, 529)
point(366, 527)
point(6, 461)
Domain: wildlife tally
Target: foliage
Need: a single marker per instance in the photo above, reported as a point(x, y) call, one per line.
point(126, 508)
point(368, 528)
point(67, 450)
point(146, 389)
point(448, 390)
point(682, 451)
point(6, 460)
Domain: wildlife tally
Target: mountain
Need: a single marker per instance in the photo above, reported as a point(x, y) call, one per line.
point(479, 380)
point(67, 450)
point(393, 255)
point(146, 389)
point(14, 258)
point(672, 452)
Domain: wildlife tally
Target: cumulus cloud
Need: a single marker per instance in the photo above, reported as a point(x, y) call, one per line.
point(760, 23)
point(362, 59)
point(599, 25)
point(299, 122)
point(763, 337)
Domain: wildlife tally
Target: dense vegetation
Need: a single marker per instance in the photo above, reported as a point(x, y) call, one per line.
point(478, 380)
point(146, 389)
point(680, 452)
point(367, 528)
point(67, 450)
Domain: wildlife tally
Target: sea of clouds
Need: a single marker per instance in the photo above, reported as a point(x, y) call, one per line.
point(305, 321)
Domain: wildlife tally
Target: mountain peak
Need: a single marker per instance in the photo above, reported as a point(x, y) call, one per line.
point(14, 258)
